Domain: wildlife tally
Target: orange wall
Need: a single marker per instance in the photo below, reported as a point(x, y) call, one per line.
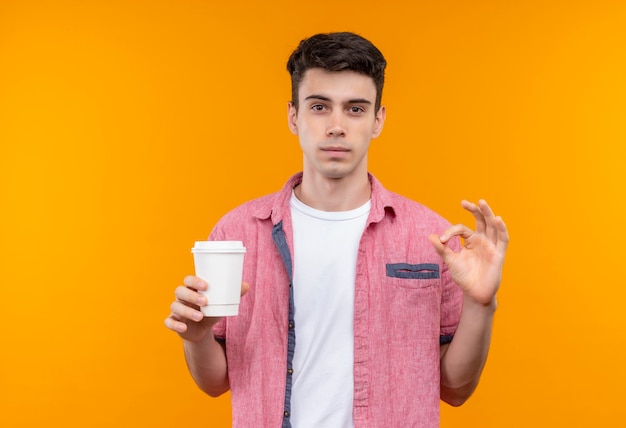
point(127, 128)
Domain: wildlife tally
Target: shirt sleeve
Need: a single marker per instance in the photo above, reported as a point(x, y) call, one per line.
point(451, 301)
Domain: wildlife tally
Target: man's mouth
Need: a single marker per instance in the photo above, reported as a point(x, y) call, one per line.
point(335, 149)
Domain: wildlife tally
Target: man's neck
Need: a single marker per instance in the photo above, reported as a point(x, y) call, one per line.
point(327, 194)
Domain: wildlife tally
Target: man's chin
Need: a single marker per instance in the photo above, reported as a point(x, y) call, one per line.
point(336, 174)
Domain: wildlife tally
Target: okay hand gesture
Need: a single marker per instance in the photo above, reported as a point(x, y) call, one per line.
point(477, 268)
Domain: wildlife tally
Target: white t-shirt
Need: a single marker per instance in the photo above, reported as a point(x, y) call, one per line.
point(325, 253)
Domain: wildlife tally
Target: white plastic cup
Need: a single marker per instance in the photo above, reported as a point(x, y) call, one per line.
point(220, 264)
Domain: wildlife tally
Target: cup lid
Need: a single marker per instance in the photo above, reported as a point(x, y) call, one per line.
point(221, 246)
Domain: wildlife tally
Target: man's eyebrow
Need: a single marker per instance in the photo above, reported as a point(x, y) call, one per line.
point(359, 101)
point(325, 98)
point(317, 97)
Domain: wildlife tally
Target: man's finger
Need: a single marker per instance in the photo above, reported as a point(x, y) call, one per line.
point(244, 287)
point(195, 283)
point(456, 230)
point(503, 234)
point(489, 218)
point(440, 248)
point(481, 224)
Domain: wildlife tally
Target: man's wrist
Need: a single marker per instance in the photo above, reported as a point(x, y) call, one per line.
point(490, 306)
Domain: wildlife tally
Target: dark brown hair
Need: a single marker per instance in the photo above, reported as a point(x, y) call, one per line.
point(337, 52)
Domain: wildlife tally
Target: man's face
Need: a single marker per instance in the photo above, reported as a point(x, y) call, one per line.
point(335, 122)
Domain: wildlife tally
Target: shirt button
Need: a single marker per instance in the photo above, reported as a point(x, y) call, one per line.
point(290, 325)
point(286, 414)
point(290, 371)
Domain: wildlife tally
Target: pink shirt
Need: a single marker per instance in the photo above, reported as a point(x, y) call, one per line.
point(405, 306)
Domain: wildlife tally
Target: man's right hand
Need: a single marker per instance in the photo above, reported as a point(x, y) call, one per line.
point(186, 317)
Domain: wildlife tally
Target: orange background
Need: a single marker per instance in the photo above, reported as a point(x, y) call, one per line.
point(127, 128)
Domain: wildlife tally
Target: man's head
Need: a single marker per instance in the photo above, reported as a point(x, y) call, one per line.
point(337, 52)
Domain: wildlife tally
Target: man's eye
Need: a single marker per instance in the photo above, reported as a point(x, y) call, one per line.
point(356, 109)
point(317, 107)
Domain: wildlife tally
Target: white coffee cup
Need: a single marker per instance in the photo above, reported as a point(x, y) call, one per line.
point(220, 264)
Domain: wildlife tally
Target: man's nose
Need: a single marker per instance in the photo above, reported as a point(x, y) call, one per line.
point(336, 127)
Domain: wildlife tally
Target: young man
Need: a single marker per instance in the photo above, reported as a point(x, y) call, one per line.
point(361, 308)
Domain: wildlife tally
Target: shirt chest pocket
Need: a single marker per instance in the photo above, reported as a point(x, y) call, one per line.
point(419, 275)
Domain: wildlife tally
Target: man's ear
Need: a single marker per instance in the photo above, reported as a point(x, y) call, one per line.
point(381, 114)
point(292, 116)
